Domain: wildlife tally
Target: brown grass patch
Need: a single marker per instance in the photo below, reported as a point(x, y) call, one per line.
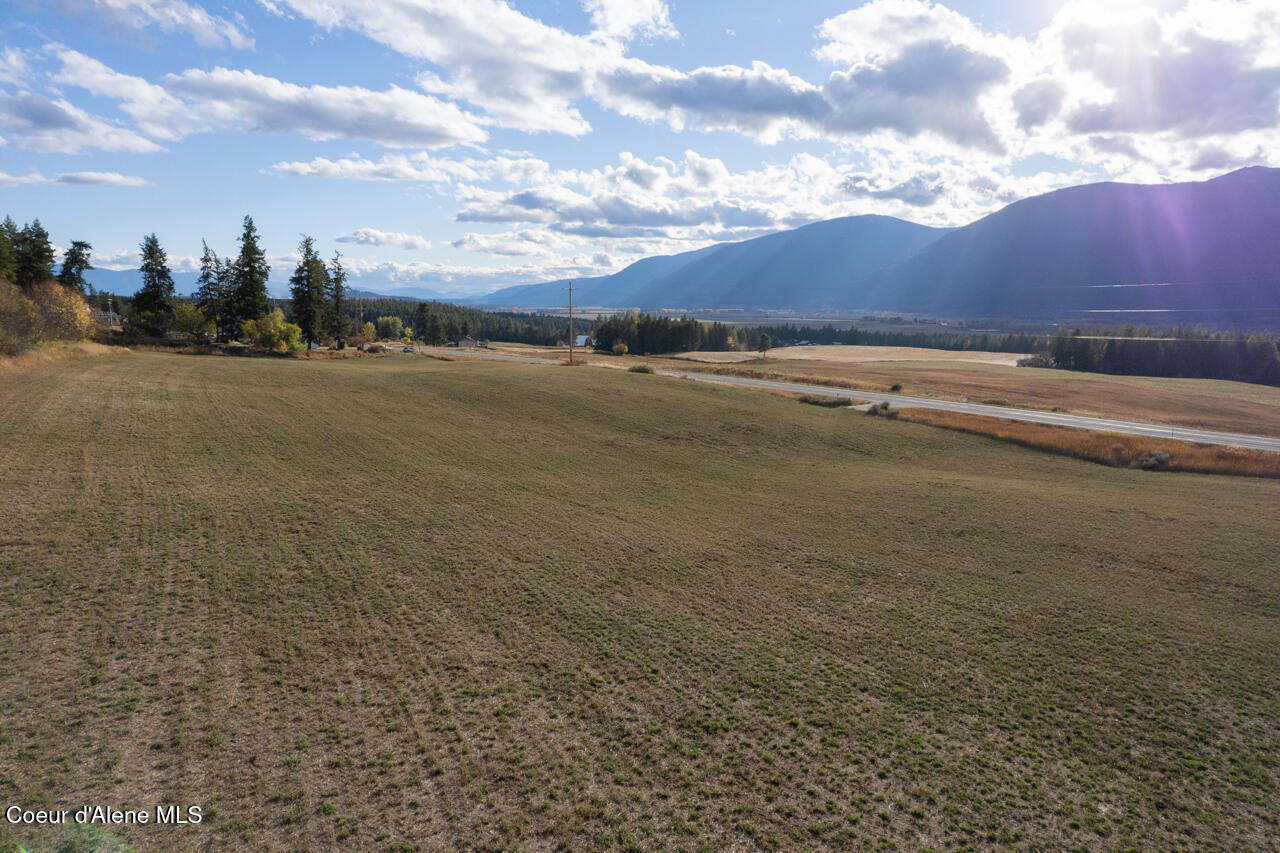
point(55, 352)
point(1109, 448)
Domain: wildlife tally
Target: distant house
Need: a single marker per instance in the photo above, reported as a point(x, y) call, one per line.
point(464, 341)
point(584, 341)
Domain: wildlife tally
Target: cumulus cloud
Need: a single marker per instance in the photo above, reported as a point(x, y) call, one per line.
point(918, 190)
point(623, 19)
point(393, 239)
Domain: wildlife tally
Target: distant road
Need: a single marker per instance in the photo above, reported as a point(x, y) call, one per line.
point(1201, 436)
point(1230, 439)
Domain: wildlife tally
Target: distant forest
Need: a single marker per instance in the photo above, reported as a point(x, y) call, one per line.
point(1186, 351)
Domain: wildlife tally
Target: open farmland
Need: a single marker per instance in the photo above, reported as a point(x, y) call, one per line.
point(400, 603)
point(1193, 403)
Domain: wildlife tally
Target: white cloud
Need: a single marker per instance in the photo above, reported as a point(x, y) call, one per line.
point(390, 167)
point(623, 19)
point(394, 117)
point(100, 179)
point(157, 113)
point(393, 239)
point(13, 66)
point(39, 123)
point(169, 15)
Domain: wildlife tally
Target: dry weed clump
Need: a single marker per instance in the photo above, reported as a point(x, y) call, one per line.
point(1119, 451)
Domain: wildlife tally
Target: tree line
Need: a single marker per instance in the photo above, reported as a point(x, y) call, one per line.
point(35, 304)
point(1185, 351)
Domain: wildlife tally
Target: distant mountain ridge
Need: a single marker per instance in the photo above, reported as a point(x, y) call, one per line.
point(1211, 246)
point(807, 267)
point(1120, 250)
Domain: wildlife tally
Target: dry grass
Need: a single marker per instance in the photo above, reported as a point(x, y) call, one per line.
point(1192, 403)
point(1124, 451)
point(60, 351)
point(859, 354)
point(382, 604)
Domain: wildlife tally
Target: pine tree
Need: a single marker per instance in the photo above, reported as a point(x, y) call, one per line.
point(74, 264)
point(33, 262)
point(433, 333)
point(212, 291)
point(153, 304)
point(337, 315)
point(309, 287)
point(249, 278)
point(8, 249)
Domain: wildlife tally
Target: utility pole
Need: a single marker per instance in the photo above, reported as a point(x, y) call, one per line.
point(571, 321)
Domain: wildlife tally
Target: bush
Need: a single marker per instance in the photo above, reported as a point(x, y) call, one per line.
point(829, 402)
point(50, 312)
point(883, 410)
point(1040, 359)
point(640, 368)
point(895, 387)
point(620, 348)
point(273, 333)
point(1153, 460)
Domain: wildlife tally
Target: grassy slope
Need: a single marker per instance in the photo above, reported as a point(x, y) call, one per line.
point(406, 601)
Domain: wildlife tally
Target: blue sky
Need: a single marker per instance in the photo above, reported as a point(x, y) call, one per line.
point(460, 147)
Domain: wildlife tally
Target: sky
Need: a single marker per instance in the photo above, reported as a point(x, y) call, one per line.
point(457, 147)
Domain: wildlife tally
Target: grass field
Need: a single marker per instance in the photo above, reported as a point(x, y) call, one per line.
point(1194, 403)
point(405, 604)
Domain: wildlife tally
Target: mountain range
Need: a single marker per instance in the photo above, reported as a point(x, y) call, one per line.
point(1118, 251)
point(1113, 252)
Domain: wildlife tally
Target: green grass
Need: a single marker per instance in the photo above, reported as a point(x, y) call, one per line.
point(385, 603)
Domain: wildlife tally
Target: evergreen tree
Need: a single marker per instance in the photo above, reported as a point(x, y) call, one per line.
point(249, 278)
point(74, 263)
point(433, 332)
point(309, 287)
point(337, 317)
point(8, 249)
point(420, 322)
point(213, 291)
point(33, 261)
point(153, 304)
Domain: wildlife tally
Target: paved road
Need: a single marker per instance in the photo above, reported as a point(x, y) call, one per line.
point(1255, 442)
point(1201, 436)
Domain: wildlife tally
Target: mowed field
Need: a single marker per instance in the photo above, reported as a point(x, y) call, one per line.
point(403, 604)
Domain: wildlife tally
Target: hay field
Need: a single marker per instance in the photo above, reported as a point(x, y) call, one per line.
point(406, 604)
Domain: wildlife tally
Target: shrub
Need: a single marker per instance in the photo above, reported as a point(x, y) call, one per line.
point(883, 410)
point(897, 386)
point(620, 348)
point(829, 402)
point(1153, 460)
point(273, 333)
point(1040, 359)
point(640, 368)
point(50, 312)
